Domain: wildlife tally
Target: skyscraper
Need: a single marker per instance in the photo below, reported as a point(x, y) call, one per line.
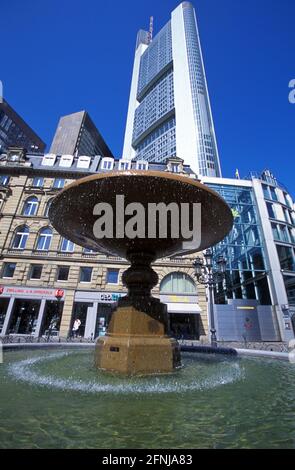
point(77, 135)
point(169, 110)
point(15, 132)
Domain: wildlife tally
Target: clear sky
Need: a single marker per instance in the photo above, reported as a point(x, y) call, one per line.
point(61, 56)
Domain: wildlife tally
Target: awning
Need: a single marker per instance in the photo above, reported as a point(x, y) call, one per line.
point(185, 308)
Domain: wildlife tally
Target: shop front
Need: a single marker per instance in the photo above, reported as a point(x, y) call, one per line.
point(93, 310)
point(184, 316)
point(30, 311)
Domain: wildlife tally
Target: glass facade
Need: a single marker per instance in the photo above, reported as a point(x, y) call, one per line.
point(15, 132)
point(242, 248)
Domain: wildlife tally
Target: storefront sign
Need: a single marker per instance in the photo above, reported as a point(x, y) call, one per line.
point(188, 299)
point(109, 297)
point(101, 297)
point(30, 292)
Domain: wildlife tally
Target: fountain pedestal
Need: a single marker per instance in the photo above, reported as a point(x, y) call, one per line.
point(136, 344)
point(137, 340)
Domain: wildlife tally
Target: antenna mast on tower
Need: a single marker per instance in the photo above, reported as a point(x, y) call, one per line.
point(151, 29)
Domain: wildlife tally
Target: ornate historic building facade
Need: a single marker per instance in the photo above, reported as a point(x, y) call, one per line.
point(47, 282)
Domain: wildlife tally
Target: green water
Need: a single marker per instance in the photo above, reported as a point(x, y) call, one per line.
point(55, 399)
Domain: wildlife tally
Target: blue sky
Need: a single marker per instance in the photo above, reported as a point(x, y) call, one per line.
point(61, 56)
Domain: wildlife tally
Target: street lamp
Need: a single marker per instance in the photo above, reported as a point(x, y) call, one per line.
point(209, 277)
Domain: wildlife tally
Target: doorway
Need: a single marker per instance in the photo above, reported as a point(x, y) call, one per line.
point(3, 309)
point(24, 317)
point(184, 326)
point(52, 318)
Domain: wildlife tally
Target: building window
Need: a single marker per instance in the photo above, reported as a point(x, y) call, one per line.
point(275, 231)
point(273, 193)
point(287, 202)
point(36, 271)
point(287, 216)
point(107, 163)
point(38, 182)
point(112, 276)
point(4, 180)
point(175, 168)
point(20, 238)
point(124, 165)
point(141, 165)
point(58, 183)
point(88, 251)
point(265, 191)
point(179, 283)
point(66, 245)
point(270, 210)
point(63, 273)
point(286, 257)
point(8, 270)
point(85, 274)
point(30, 206)
point(44, 239)
point(48, 204)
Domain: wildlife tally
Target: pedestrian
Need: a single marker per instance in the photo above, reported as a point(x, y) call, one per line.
point(76, 326)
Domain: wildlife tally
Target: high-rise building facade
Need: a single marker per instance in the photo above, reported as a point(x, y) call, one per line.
point(77, 135)
point(169, 110)
point(15, 132)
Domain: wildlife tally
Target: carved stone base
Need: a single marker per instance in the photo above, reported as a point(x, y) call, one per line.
point(136, 344)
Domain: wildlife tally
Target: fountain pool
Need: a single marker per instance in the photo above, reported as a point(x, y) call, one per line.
point(57, 399)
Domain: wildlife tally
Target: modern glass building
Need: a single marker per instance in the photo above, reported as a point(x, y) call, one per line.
point(15, 132)
point(77, 135)
point(260, 250)
point(169, 110)
point(243, 248)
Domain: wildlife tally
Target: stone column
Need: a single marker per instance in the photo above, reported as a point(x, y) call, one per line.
point(67, 313)
point(91, 321)
point(8, 317)
point(40, 318)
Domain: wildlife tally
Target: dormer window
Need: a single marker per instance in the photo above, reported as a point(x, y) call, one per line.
point(175, 168)
point(48, 159)
point(83, 161)
point(66, 161)
point(107, 163)
point(141, 165)
point(124, 165)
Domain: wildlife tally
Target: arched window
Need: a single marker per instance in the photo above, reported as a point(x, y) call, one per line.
point(44, 239)
point(48, 204)
point(30, 206)
point(20, 237)
point(66, 245)
point(179, 283)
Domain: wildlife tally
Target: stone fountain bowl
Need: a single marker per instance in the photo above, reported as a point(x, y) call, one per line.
point(72, 211)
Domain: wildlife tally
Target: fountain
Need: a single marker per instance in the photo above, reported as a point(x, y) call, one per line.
point(137, 341)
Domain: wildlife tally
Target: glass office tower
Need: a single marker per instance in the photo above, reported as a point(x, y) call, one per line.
point(169, 110)
point(14, 131)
